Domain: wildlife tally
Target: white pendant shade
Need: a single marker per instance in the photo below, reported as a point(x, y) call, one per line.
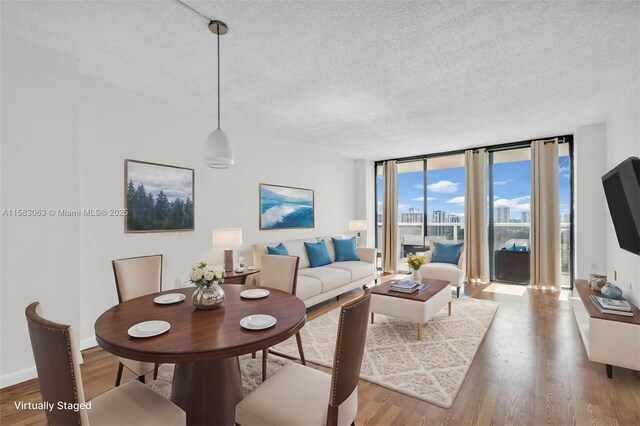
point(218, 153)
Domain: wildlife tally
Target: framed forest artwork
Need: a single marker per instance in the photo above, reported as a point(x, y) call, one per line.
point(158, 197)
point(283, 207)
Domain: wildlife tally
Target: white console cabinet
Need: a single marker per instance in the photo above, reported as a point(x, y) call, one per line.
point(609, 339)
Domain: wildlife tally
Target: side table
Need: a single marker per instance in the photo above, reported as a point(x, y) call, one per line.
point(233, 277)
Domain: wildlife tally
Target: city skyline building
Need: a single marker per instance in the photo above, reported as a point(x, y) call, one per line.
point(503, 214)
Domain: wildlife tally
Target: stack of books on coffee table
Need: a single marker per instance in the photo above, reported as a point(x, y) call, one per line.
point(612, 306)
point(406, 286)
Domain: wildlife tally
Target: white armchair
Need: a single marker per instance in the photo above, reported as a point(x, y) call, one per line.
point(444, 271)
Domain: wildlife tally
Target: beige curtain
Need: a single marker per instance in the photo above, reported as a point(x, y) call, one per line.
point(545, 215)
point(390, 217)
point(475, 226)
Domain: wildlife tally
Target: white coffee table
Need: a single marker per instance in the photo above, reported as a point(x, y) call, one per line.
point(416, 307)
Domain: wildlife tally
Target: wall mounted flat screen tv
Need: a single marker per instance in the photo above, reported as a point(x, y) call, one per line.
point(622, 189)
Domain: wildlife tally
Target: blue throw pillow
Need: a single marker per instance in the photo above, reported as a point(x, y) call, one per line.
point(520, 248)
point(279, 250)
point(345, 249)
point(318, 254)
point(447, 253)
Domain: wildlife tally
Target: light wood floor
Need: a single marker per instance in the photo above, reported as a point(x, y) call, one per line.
point(531, 369)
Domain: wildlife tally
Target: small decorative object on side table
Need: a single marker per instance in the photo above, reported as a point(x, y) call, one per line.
point(209, 294)
point(597, 281)
point(415, 262)
point(240, 268)
point(611, 291)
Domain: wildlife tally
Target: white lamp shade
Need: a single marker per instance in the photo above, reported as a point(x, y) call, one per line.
point(227, 237)
point(218, 153)
point(357, 225)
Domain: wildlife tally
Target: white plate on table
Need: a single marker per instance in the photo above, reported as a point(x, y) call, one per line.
point(256, 293)
point(258, 322)
point(149, 328)
point(167, 299)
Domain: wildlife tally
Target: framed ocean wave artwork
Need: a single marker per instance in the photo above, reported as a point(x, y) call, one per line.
point(286, 207)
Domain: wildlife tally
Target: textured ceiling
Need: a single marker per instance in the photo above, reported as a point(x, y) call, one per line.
point(363, 79)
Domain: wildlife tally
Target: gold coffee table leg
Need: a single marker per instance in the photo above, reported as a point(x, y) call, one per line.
point(419, 331)
point(449, 307)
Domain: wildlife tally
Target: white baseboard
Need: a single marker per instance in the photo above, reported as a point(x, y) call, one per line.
point(88, 343)
point(18, 377)
point(31, 373)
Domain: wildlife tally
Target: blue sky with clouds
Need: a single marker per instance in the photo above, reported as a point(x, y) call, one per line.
point(445, 188)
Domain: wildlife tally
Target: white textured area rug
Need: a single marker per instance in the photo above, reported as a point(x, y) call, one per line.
point(432, 369)
point(251, 373)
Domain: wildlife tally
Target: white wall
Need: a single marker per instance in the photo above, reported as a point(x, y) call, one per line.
point(40, 260)
point(365, 198)
point(116, 124)
point(623, 141)
point(589, 152)
point(102, 127)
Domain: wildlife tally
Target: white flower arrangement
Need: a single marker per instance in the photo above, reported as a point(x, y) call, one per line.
point(203, 275)
point(241, 262)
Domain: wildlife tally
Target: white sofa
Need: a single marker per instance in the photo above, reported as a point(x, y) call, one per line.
point(444, 271)
point(316, 285)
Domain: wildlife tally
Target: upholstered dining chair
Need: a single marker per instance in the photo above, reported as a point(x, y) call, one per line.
point(135, 277)
point(61, 382)
point(280, 272)
point(298, 395)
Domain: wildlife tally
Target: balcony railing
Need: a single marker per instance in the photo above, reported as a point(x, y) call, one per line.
point(411, 239)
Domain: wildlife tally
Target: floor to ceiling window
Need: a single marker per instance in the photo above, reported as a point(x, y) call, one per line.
point(509, 214)
point(379, 197)
point(431, 197)
point(564, 189)
point(439, 192)
point(445, 198)
point(410, 209)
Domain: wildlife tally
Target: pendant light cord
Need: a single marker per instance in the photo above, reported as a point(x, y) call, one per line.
point(195, 11)
point(218, 33)
point(218, 29)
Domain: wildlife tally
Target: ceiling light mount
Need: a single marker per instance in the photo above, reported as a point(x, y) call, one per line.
point(218, 27)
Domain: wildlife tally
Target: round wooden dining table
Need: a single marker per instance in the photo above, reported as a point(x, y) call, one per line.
point(204, 345)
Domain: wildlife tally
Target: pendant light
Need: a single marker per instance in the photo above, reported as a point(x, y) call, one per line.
point(218, 153)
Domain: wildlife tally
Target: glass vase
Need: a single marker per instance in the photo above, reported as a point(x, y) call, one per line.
point(415, 275)
point(209, 297)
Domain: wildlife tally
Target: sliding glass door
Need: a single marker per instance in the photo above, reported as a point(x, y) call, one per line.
point(564, 192)
point(509, 214)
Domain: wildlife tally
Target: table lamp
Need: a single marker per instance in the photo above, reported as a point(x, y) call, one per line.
point(357, 226)
point(227, 238)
